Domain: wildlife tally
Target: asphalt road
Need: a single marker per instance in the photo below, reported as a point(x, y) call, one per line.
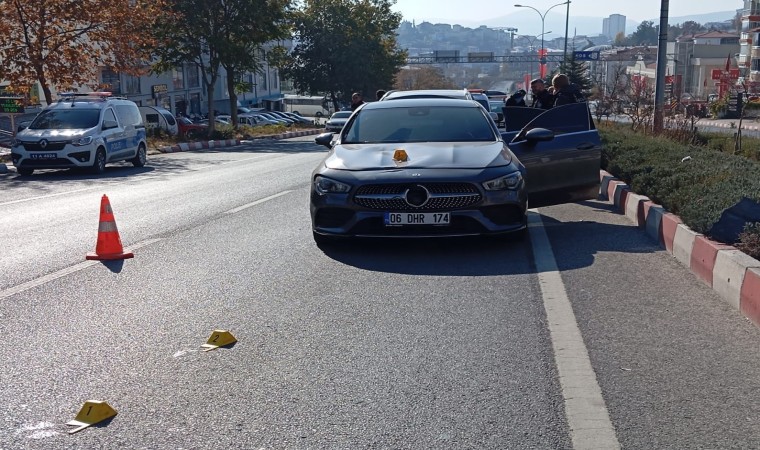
point(431, 344)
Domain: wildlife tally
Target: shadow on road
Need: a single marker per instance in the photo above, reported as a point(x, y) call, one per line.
point(575, 244)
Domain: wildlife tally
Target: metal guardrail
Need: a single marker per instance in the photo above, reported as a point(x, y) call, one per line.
point(432, 59)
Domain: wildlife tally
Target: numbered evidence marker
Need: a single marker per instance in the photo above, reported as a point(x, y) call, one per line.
point(93, 411)
point(218, 338)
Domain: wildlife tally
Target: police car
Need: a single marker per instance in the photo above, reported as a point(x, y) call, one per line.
point(82, 130)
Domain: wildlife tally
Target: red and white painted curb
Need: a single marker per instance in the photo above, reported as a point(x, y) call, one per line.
point(734, 275)
point(187, 146)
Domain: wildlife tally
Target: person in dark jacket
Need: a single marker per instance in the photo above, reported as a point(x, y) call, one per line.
point(356, 101)
point(564, 91)
point(516, 99)
point(541, 97)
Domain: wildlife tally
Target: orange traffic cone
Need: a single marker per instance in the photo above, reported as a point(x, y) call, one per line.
point(109, 243)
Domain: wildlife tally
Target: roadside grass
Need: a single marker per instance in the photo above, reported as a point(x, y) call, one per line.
point(695, 181)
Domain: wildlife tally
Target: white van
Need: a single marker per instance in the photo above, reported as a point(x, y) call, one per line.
point(157, 117)
point(81, 130)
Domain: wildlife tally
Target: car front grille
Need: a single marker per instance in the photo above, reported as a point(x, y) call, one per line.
point(50, 147)
point(443, 196)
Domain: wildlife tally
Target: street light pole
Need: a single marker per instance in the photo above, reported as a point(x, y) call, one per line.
point(542, 56)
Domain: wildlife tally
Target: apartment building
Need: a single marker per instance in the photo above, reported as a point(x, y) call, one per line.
point(749, 50)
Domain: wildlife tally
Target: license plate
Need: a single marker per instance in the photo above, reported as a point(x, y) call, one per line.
point(43, 155)
point(403, 218)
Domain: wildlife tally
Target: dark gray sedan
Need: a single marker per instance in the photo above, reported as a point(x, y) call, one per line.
point(430, 167)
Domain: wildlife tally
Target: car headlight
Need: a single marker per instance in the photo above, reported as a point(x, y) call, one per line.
point(512, 181)
point(327, 186)
point(87, 140)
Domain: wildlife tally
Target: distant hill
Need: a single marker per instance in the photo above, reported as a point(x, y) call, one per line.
point(527, 22)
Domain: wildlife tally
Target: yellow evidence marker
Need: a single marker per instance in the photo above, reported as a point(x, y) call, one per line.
point(93, 411)
point(218, 338)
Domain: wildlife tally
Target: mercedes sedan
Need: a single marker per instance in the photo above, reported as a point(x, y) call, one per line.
point(433, 167)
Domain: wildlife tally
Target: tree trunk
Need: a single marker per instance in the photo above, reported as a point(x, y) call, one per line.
point(211, 114)
point(233, 96)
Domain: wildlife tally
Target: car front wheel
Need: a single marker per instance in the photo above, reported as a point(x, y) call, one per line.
point(25, 172)
point(99, 165)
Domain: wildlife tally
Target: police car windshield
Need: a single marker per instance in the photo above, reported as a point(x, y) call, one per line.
point(62, 119)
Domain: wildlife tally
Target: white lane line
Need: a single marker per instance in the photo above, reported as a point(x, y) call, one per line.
point(58, 194)
point(587, 415)
point(257, 202)
point(63, 272)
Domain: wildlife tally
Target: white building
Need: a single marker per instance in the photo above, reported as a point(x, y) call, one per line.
point(613, 25)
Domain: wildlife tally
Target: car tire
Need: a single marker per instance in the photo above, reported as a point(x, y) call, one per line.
point(24, 171)
point(318, 114)
point(141, 157)
point(191, 134)
point(99, 165)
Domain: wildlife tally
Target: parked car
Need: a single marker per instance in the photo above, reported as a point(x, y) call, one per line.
point(433, 167)
point(282, 115)
point(81, 130)
point(337, 120)
point(256, 120)
point(299, 119)
point(190, 129)
point(272, 117)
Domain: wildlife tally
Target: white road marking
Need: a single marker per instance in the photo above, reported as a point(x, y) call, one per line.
point(257, 202)
point(62, 273)
point(587, 415)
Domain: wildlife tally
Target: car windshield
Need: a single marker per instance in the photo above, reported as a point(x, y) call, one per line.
point(419, 124)
point(341, 115)
point(63, 119)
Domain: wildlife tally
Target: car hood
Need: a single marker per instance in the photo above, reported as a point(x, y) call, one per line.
point(432, 155)
point(30, 134)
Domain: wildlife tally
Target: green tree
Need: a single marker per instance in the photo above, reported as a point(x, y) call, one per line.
point(248, 27)
point(193, 32)
point(646, 34)
point(620, 39)
point(344, 46)
point(576, 71)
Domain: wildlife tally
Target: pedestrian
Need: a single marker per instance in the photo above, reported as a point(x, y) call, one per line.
point(356, 101)
point(542, 98)
point(564, 91)
point(516, 99)
point(379, 93)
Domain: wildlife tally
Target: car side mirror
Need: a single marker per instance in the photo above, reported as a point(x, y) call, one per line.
point(539, 135)
point(108, 124)
point(324, 139)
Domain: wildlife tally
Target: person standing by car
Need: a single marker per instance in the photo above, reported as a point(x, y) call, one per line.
point(356, 101)
point(516, 99)
point(541, 97)
point(379, 93)
point(564, 91)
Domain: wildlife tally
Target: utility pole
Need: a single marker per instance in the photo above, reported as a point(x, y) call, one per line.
point(659, 89)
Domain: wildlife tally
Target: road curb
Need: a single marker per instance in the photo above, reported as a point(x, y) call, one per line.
point(188, 146)
point(732, 274)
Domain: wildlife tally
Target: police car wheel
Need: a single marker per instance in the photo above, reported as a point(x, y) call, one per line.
point(141, 157)
point(99, 165)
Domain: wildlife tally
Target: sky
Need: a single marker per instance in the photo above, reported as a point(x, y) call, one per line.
point(474, 10)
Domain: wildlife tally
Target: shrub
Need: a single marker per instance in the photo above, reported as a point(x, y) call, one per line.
point(695, 182)
point(749, 240)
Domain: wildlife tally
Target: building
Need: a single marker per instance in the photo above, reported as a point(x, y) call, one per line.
point(613, 25)
point(749, 49)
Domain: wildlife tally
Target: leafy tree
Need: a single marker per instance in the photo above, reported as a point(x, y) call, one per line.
point(576, 71)
point(620, 39)
point(248, 25)
point(202, 33)
point(344, 46)
point(65, 43)
point(646, 34)
point(422, 77)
